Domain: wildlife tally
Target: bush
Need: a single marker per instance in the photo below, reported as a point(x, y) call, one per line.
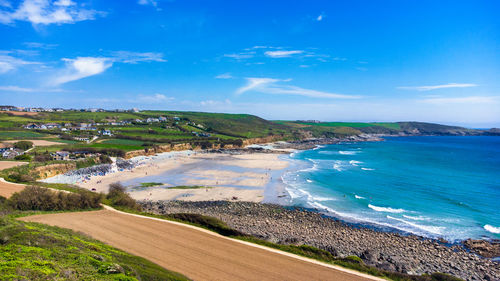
point(43, 157)
point(43, 199)
point(119, 198)
point(23, 157)
point(105, 159)
point(24, 145)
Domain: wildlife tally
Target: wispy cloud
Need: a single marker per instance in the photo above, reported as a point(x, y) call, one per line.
point(320, 17)
point(282, 54)
point(465, 100)
point(148, 2)
point(215, 103)
point(81, 67)
point(240, 56)
point(435, 87)
point(135, 57)
point(16, 89)
point(47, 12)
point(36, 45)
point(224, 76)
point(272, 86)
point(156, 98)
point(8, 62)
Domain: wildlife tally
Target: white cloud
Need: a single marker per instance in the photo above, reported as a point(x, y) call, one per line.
point(8, 63)
point(156, 98)
point(239, 56)
point(135, 57)
point(465, 100)
point(224, 76)
point(16, 89)
point(282, 54)
point(270, 86)
point(148, 2)
point(81, 67)
point(215, 103)
point(48, 12)
point(435, 87)
point(320, 17)
point(36, 45)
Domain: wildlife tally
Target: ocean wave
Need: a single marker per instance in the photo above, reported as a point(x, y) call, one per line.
point(386, 209)
point(348, 152)
point(367, 169)
point(419, 218)
point(492, 229)
point(318, 147)
point(355, 163)
point(309, 181)
point(337, 167)
point(359, 197)
point(428, 228)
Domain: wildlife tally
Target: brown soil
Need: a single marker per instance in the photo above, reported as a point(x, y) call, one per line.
point(10, 164)
point(193, 252)
point(7, 188)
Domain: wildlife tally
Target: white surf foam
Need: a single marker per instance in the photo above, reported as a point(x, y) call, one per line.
point(348, 152)
point(428, 228)
point(419, 218)
point(492, 229)
point(367, 169)
point(359, 197)
point(308, 180)
point(386, 209)
point(355, 163)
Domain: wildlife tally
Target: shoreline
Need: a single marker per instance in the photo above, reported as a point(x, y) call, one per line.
point(225, 188)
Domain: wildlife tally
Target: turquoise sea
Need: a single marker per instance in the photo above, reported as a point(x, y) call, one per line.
point(431, 186)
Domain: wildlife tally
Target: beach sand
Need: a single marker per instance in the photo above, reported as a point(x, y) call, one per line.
point(233, 177)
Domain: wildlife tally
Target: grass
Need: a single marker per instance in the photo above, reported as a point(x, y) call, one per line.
point(150, 184)
point(123, 142)
point(32, 251)
point(189, 187)
point(20, 135)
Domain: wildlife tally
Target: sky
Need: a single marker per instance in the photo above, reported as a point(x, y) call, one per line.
point(431, 61)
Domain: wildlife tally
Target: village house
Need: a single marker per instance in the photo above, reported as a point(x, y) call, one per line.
point(162, 119)
point(106, 133)
point(60, 155)
point(11, 153)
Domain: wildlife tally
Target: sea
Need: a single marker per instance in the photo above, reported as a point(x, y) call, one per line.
point(434, 186)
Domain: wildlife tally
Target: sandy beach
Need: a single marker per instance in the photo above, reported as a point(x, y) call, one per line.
point(241, 177)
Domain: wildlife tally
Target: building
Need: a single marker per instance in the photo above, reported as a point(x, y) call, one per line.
point(60, 155)
point(11, 153)
point(106, 133)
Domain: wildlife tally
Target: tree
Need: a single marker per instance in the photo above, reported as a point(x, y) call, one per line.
point(24, 145)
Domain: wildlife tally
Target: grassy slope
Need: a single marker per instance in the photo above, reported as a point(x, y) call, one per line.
point(31, 251)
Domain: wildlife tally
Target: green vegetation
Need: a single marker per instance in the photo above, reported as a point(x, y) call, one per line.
point(10, 135)
point(188, 187)
point(23, 145)
point(43, 199)
point(32, 251)
point(150, 184)
point(117, 197)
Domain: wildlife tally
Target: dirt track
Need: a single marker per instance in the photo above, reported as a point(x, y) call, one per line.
point(198, 254)
point(7, 188)
point(37, 142)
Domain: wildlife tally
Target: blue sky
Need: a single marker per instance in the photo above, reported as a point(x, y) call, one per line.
point(435, 61)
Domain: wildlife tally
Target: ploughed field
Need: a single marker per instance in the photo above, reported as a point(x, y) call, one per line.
point(198, 254)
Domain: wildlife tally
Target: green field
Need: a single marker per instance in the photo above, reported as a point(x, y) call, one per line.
point(123, 142)
point(20, 135)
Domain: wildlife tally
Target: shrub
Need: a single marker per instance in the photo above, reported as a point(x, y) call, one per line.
point(45, 157)
point(24, 145)
point(43, 199)
point(105, 159)
point(118, 197)
point(23, 157)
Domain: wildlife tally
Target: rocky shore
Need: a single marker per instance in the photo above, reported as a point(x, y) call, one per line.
point(390, 251)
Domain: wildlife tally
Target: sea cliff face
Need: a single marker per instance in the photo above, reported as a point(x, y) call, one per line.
point(389, 251)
